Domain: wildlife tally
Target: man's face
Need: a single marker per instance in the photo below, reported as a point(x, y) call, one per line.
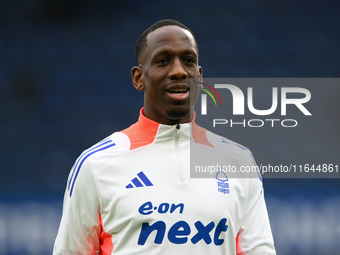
point(170, 60)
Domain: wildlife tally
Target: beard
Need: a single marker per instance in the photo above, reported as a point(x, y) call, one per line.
point(177, 115)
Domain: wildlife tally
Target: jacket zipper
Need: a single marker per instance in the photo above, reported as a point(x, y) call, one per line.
point(178, 154)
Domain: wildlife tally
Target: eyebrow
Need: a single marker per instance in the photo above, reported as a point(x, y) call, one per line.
point(168, 50)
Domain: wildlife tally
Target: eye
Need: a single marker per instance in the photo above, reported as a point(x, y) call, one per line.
point(189, 60)
point(162, 61)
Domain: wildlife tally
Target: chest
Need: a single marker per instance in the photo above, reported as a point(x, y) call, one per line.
point(155, 189)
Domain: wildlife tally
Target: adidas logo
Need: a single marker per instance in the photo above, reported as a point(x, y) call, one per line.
point(138, 182)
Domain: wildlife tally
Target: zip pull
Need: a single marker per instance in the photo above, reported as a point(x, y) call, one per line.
point(177, 126)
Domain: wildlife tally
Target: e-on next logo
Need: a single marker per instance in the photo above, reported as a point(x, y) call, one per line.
point(299, 98)
point(180, 232)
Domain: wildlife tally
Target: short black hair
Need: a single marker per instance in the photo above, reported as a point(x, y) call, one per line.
point(142, 42)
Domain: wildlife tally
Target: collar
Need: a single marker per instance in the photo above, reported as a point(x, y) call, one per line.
point(145, 131)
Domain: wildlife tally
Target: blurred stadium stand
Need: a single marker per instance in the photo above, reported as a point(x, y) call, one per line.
point(65, 84)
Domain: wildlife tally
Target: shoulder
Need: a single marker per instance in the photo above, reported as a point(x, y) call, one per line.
point(229, 146)
point(236, 155)
point(109, 147)
point(90, 160)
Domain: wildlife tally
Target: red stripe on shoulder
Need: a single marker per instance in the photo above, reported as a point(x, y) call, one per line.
point(142, 132)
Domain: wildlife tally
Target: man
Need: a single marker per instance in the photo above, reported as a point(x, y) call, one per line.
point(132, 193)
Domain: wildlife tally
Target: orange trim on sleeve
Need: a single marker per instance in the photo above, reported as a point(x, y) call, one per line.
point(238, 246)
point(106, 245)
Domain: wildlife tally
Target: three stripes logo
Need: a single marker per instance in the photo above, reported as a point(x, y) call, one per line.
point(204, 97)
point(138, 182)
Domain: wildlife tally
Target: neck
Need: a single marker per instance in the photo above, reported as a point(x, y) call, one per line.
point(170, 118)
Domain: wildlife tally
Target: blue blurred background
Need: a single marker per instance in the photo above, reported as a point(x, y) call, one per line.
point(65, 84)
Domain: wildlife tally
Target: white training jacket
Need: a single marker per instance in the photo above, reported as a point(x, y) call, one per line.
point(132, 194)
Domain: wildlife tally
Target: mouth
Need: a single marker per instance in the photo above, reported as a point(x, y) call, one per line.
point(178, 92)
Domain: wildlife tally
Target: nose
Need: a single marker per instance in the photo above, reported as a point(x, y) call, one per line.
point(177, 70)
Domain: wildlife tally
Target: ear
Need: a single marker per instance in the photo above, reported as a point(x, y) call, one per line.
point(200, 70)
point(137, 78)
point(200, 79)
